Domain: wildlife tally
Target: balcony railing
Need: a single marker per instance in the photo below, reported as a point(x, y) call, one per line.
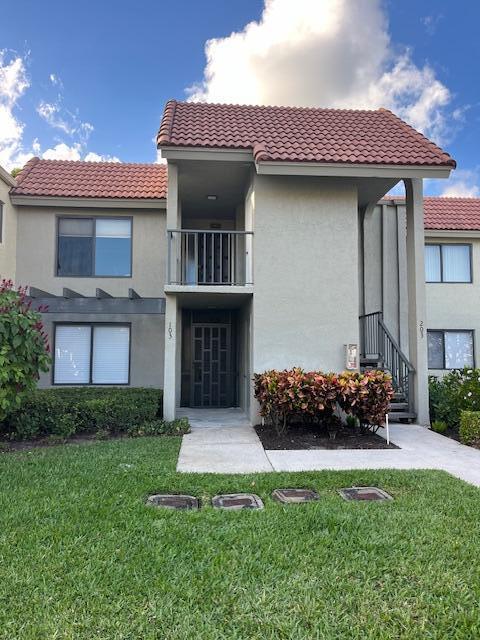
point(210, 257)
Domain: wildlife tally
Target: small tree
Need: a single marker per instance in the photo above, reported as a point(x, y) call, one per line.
point(24, 348)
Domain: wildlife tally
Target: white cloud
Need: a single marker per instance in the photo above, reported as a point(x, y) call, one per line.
point(464, 183)
point(59, 118)
point(62, 151)
point(330, 53)
point(96, 157)
point(13, 84)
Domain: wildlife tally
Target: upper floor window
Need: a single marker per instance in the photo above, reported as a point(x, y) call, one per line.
point(94, 247)
point(450, 349)
point(448, 263)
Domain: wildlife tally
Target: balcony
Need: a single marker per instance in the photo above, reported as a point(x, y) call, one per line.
point(209, 258)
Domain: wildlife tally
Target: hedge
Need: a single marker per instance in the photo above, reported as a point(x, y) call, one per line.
point(68, 411)
point(314, 395)
point(470, 427)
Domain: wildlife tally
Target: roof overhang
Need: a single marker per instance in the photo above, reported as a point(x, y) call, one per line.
point(452, 233)
point(351, 170)
point(91, 203)
point(283, 168)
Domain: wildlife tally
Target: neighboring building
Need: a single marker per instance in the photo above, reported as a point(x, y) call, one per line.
point(262, 256)
point(452, 275)
point(8, 227)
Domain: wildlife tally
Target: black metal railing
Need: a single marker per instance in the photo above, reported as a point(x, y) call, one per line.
point(377, 344)
point(209, 257)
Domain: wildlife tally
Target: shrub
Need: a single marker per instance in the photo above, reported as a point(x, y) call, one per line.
point(315, 395)
point(457, 391)
point(177, 427)
point(24, 349)
point(82, 410)
point(439, 426)
point(470, 427)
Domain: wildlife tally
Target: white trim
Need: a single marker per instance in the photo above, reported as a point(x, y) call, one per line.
point(351, 170)
point(6, 177)
point(452, 233)
point(185, 288)
point(105, 203)
point(205, 153)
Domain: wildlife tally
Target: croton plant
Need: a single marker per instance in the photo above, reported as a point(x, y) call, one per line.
point(315, 395)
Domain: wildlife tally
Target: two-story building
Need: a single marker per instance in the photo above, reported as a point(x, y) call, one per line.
point(256, 246)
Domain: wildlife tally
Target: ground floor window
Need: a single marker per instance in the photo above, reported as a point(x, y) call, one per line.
point(92, 354)
point(450, 349)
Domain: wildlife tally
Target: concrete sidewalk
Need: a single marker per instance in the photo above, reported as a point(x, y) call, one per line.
point(228, 444)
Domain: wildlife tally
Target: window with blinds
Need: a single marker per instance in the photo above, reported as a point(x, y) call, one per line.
point(450, 349)
point(92, 354)
point(94, 247)
point(448, 263)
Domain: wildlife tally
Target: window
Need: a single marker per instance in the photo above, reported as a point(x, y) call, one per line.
point(448, 263)
point(94, 247)
point(450, 349)
point(92, 354)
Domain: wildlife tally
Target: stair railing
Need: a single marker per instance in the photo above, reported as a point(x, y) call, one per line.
point(377, 343)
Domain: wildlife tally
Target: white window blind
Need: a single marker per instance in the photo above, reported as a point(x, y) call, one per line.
point(111, 348)
point(72, 354)
point(456, 263)
point(432, 263)
point(458, 349)
point(113, 228)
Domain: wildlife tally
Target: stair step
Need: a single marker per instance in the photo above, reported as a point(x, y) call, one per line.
point(369, 361)
point(398, 406)
point(401, 415)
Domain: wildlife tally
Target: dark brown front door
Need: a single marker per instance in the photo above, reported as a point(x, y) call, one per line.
point(211, 384)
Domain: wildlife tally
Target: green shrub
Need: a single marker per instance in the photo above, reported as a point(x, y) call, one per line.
point(439, 426)
point(160, 428)
point(67, 411)
point(315, 395)
point(457, 391)
point(24, 349)
point(470, 427)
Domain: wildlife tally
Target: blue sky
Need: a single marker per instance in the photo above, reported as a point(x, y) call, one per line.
point(93, 77)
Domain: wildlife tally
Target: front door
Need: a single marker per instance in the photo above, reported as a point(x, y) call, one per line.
point(211, 384)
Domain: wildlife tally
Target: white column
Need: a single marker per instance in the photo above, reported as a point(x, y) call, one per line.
point(170, 373)
point(172, 342)
point(417, 329)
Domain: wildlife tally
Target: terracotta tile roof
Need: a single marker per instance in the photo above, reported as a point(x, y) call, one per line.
point(452, 213)
point(296, 134)
point(75, 179)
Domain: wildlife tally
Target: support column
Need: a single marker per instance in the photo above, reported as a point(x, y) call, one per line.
point(416, 297)
point(170, 373)
point(172, 334)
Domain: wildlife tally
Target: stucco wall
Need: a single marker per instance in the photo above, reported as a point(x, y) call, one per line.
point(456, 306)
point(36, 252)
point(306, 293)
point(147, 335)
point(9, 234)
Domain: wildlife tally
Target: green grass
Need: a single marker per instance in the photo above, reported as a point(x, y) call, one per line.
point(82, 557)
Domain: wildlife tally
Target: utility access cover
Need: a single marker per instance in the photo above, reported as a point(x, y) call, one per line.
point(236, 501)
point(364, 493)
point(172, 501)
point(294, 496)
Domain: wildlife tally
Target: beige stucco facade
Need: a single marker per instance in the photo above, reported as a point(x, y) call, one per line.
point(8, 230)
point(37, 246)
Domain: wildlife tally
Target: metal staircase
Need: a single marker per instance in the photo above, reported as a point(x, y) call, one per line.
point(380, 350)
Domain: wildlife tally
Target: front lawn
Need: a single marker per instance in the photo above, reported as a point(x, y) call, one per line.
point(81, 557)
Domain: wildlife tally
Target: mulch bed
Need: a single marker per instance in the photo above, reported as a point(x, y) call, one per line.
point(315, 437)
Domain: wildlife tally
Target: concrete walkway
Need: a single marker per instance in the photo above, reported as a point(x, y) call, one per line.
point(222, 441)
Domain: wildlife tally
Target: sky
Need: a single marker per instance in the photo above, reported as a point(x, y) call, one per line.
point(89, 80)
